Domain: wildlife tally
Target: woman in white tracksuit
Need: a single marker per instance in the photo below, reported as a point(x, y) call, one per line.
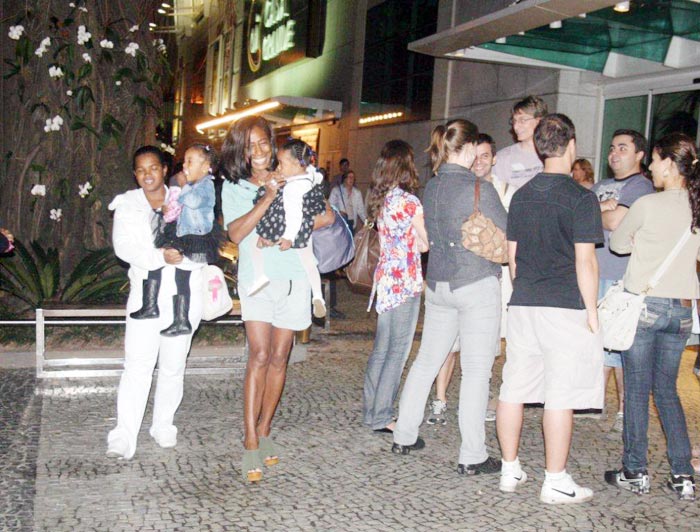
point(136, 216)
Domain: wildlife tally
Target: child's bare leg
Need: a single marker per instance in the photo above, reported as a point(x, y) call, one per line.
point(308, 262)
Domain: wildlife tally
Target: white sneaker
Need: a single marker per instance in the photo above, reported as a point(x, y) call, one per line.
point(437, 413)
point(564, 491)
point(259, 283)
point(319, 308)
point(619, 422)
point(165, 439)
point(118, 448)
point(512, 476)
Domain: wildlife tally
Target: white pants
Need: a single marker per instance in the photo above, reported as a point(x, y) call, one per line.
point(474, 312)
point(142, 346)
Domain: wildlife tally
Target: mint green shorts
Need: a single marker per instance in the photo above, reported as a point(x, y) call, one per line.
point(284, 304)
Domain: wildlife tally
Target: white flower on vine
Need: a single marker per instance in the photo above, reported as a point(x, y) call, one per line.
point(43, 47)
point(134, 28)
point(38, 190)
point(15, 32)
point(104, 43)
point(53, 124)
point(167, 148)
point(118, 83)
point(69, 92)
point(71, 4)
point(87, 58)
point(83, 9)
point(55, 72)
point(83, 35)
point(84, 189)
point(131, 49)
point(55, 214)
point(159, 44)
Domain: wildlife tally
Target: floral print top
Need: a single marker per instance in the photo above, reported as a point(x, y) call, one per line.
point(398, 275)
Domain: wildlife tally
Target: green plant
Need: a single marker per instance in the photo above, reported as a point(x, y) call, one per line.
point(33, 276)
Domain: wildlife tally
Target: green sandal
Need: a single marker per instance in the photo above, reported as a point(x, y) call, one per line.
point(252, 466)
point(269, 451)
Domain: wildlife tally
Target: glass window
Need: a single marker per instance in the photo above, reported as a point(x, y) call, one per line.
point(670, 112)
point(621, 113)
point(395, 79)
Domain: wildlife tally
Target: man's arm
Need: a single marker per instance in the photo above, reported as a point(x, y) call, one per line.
point(587, 277)
point(612, 218)
point(512, 248)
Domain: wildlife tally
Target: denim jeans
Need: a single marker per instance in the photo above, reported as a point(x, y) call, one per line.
point(651, 365)
point(474, 312)
point(392, 345)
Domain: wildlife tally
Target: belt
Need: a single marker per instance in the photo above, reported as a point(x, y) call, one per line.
point(686, 302)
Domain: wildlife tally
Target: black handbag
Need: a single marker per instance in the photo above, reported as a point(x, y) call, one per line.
point(333, 245)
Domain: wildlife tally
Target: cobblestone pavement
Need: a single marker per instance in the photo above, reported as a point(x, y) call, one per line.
point(333, 475)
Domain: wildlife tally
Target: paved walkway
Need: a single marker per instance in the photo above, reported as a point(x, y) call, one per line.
point(334, 473)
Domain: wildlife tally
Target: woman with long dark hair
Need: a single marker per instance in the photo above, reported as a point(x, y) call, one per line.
point(652, 228)
point(272, 314)
point(463, 297)
point(398, 280)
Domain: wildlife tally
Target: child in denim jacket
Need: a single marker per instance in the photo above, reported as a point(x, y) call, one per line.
point(189, 228)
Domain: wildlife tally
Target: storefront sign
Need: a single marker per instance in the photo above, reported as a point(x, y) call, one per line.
point(278, 32)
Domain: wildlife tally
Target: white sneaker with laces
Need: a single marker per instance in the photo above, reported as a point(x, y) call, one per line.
point(437, 413)
point(564, 491)
point(619, 422)
point(512, 476)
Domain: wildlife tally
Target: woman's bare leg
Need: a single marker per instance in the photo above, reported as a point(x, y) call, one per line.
point(444, 376)
point(259, 335)
point(274, 378)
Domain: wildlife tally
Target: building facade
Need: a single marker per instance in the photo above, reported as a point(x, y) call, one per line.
point(348, 75)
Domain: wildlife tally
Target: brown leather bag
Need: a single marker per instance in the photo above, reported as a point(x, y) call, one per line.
point(481, 236)
point(360, 272)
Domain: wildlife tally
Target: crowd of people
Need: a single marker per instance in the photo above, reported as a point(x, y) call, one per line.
point(568, 241)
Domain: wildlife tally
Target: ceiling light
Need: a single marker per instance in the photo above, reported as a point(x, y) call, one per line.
point(166, 5)
point(501, 40)
point(622, 7)
point(381, 117)
point(162, 11)
point(152, 24)
point(555, 25)
point(253, 110)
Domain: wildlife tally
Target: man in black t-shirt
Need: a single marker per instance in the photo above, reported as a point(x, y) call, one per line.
point(554, 346)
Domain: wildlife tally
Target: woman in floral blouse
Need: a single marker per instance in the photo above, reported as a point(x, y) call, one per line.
point(398, 280)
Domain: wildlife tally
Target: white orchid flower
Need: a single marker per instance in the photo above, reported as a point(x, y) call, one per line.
point(83, 9)
point(55, 214)
point(43, 47)
point(69, 92)
point(131, 49)
point(55, 72)
point(38, 190)
point(53, 124)
point(87, 58)
point(104, 43)
point(84, 189)
point(83, 35)
point(16, 32)
point(134, 28)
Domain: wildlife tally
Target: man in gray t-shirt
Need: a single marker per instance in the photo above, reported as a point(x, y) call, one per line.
point(616, 195)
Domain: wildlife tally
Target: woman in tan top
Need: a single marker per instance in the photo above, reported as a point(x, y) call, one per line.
point(651, 229)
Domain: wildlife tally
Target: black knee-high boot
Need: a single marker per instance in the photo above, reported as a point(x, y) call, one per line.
point(149, 308)
point(181, 323)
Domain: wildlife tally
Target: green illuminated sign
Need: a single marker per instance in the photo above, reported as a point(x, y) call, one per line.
point(280, 32)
